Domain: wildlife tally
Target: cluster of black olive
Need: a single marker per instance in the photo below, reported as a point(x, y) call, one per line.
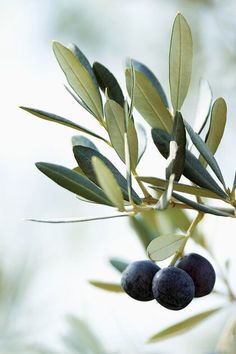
point(173, 287)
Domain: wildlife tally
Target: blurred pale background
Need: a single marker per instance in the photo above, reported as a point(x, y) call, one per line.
point(52, 263)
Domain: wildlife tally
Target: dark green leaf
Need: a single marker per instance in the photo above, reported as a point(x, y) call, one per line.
point(83, 156)
point(165, 246)
point(184, 188)
point(74, 182)
point(205, 152)
point(82, 140)
point(193, 169)
point(217, 126)
point(150, 76)
point(142, 140)
point(108, 183)
point(83, 60)
point(118, 264)
point(113, 287)
point(183, 326)
point(180, 61)
point(199, 206)
point(106, 80)
point(57, 119)
point(79, 79)
point(148, 101)
point(176, 159)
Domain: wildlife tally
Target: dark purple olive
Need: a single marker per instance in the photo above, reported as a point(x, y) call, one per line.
point(137, 278)
point(173, 288)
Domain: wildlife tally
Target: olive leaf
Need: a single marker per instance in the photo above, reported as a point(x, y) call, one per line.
point(234, 183)
point(108, 183)
point(217, 127)
point(113, 287)
point(83, 156)
point(176, 158)
point(180, 61)
point(114, 114)
point(118, 263)
point(205, 152)
point(82, 140)
point(84, 61)
point(142, 140)
point(107, 81)
point(179, 187)
point(203, 106)
point(183, 326)
point(166, 196)
point(165, 246)
point(201, 207)
point(79, 79)
point(149, 74)
point(74, 182)
point(148, 101)
point(127, 152)
point(57, 119)
point(193, 169)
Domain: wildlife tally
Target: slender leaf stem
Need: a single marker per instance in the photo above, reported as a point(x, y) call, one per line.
point(189, 233)
point(141, 185)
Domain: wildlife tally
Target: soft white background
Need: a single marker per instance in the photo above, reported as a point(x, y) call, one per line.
point(62, 258)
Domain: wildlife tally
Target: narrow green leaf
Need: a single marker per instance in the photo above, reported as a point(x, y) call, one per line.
point(193, 169)
point(150, 76)
point(176, 159)
point(84, 61)
point(205, 152)
point(79, 79)
point(83, 156)
point(127, 152)
point(217, 126)
point(163, 247)
point(116, 127)
point(148, 101)
point(108, 183)
point(57, 119)
point(118, 264)
point(183, 326)
point(114, 114)
point(184, 188)
point(106, 80)
point(203, 106)
point(74, 182)
point(180, 61)
point(166, 196)
point(113, 287)
point(82, 140)
point(201, 207)
point(142, 140)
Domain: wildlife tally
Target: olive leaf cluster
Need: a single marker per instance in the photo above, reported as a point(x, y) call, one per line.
point(96, 179)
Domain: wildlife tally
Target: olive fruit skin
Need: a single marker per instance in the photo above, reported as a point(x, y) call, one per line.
point(200, 270)
point(173, 288)
point(137, 278)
